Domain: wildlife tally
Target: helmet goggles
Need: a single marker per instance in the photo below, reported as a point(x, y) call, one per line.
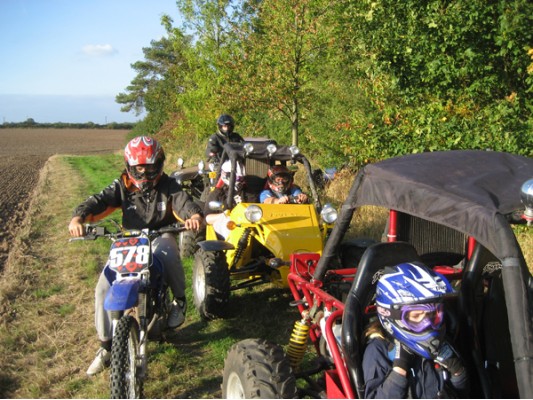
point(419, 317)
point(280, 181)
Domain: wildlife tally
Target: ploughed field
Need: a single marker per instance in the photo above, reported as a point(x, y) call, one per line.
point(23, 152)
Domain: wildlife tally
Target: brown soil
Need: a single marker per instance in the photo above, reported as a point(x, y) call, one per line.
point(23, 152)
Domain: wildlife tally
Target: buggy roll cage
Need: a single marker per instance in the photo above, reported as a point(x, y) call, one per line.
point(262, 150)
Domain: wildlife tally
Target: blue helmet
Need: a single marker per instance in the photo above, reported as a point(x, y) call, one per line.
point(409, 290)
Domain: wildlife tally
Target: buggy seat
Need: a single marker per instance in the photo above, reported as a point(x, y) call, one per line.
point(375, 258)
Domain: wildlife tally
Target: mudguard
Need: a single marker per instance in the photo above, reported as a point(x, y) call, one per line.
point(215, 245)
point(122, 295)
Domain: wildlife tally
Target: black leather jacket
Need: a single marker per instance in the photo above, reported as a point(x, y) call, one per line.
point(216, 142)
point(154, 209)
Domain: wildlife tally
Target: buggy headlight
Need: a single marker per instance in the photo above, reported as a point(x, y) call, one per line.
point(271, 148)
point(294, 150)
point(329, 214)
point(253, 213)
point(248, 148)
point(526, 195)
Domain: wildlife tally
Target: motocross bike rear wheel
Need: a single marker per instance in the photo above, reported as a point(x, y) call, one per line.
point(210, 283)
point(255, 368)
point(125, 381)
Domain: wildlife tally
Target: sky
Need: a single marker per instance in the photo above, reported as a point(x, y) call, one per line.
point(66, 60)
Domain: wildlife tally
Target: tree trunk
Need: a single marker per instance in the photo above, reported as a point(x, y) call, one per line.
point(295, 120)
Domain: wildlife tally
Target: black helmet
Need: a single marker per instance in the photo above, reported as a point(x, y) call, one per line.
point(228, 120)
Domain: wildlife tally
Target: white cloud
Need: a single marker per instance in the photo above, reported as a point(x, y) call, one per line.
point(99, 50)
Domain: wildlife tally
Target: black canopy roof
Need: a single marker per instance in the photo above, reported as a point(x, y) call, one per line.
point(470, 191)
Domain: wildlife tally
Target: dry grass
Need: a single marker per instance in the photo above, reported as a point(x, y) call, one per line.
point(45, 316)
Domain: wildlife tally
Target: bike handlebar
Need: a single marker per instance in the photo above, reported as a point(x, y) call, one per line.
point(95, 231)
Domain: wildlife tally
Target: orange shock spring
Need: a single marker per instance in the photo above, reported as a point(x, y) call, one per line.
point(298, 343)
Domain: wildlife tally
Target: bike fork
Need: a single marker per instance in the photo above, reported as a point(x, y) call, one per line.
point(143, 336)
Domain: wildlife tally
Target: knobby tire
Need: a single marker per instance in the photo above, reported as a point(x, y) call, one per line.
point(125, 382)
point(257, 369)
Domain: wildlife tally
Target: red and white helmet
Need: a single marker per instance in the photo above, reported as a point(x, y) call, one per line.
point(279, 179)
point(148, 153)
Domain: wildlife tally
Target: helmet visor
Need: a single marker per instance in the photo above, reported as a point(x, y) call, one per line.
point(420, 317)
point(145, 171)
point(280, 181)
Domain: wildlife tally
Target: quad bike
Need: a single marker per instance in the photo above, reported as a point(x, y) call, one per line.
point(262, 236)
point(459, 224)
point(139, 302)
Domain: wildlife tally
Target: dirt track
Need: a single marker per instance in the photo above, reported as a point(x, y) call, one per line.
point(23, 152)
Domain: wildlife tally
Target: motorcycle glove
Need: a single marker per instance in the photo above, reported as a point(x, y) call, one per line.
point(403, 358)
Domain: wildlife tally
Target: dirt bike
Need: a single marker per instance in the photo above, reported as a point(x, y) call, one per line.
point(138, 300)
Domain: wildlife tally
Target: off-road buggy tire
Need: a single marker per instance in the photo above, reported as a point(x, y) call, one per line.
point(187, 242)
point(257, 369)
point(210, 283)
point(125, 382)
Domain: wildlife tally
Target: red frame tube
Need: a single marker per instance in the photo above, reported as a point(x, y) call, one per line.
point(312, 293)
point(392, 234)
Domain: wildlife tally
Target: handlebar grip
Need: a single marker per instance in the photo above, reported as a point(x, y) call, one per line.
point(171, 229)
point(86, 237)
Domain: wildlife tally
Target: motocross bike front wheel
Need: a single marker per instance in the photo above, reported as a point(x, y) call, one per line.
point(210, 283)
point(125, 381)
point(255, 368)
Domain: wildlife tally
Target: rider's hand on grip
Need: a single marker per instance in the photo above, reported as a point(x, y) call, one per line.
point(75, 227)
point(194, 223)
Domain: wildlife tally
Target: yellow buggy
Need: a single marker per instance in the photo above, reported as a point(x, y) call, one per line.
point(262, 236)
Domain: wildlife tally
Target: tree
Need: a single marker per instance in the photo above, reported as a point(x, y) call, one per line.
point(160, 77)
point(278, 54)
point(29, 122)
point(209, 89)
point(457, 72)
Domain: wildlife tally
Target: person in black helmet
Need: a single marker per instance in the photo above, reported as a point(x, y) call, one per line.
point(224, 134)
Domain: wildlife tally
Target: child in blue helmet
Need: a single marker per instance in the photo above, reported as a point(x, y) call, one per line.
point(407, 355)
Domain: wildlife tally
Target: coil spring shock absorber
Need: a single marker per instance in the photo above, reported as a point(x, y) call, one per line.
point(298, 343)
point(241, 246)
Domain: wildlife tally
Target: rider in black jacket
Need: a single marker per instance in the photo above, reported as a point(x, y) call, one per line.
point(224, 134)
point(150, 199)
